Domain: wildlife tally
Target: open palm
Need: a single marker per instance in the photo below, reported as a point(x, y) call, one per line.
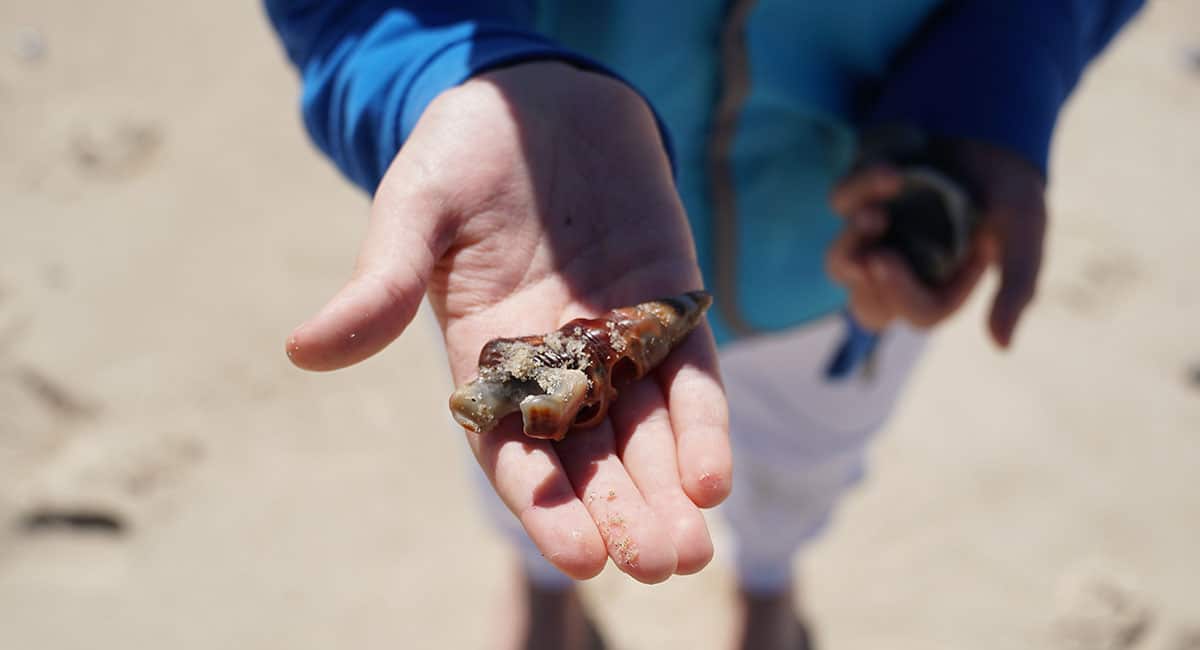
point(524, 198)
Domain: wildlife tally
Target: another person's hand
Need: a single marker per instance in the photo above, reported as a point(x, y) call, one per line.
point(1010, 234)
point(524, 198)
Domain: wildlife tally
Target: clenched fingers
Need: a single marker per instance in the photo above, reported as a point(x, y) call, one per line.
point(920, 305)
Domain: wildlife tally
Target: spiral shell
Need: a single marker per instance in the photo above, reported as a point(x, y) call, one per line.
point(568, 378)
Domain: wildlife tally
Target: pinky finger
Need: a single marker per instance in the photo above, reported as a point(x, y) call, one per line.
point(699, 418)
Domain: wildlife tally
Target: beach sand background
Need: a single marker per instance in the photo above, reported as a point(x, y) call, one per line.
point(164, 222)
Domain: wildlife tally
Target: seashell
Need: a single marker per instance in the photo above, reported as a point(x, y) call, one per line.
point(932, 219)
point(568, 378)
point(930, 223)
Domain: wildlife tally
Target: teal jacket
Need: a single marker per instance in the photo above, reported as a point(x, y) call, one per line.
point(760, 101)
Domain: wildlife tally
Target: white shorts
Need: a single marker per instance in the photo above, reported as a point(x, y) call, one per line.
point(799, 437)
point(798, 443)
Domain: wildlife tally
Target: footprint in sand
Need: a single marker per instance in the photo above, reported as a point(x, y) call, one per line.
point(1100, 608)
point(34, 405)
point(1103, 281)
point(1187, 638)
point(53, 395)
point(1193, 376)
point(29, 46)
point(102, 482)
point(64, 468)
point(35, 408)
point(1192, 58)
point(115, 151)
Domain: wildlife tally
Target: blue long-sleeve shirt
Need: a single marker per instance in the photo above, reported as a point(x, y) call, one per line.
point(994, 70)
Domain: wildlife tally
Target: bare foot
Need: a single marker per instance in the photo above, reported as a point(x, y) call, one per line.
point(551, 619)
point(770, 622)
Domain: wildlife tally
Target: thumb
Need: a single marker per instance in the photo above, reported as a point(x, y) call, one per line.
point(404, 239)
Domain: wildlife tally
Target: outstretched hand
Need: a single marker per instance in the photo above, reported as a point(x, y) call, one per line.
point(1010, 235)
point(524, 198)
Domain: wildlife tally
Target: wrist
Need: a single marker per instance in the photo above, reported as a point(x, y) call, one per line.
point(582, 98)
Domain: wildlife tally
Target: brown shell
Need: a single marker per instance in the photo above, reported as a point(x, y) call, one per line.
point(568, 378)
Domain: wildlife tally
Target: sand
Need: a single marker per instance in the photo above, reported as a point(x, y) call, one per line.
point(168, 480)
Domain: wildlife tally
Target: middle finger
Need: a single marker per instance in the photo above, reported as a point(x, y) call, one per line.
point(636, 541)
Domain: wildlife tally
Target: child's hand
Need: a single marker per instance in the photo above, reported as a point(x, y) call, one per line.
point(883, 288)
point(524, 198)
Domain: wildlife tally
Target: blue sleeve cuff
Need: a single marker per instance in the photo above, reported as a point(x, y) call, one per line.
point(485, 50)
point(998, 70)
point(364, 94)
